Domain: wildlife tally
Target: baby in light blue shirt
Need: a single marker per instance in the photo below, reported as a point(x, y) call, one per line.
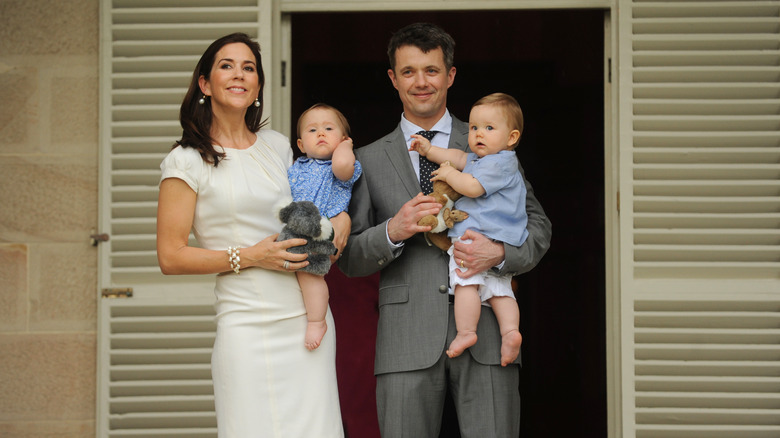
point(494, 197)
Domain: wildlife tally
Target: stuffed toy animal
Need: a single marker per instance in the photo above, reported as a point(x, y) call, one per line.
point(446, 196)
point(302, 220)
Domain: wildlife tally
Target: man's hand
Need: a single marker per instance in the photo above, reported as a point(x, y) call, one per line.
point(404, 224)
point(342, 224)
point(479, 255)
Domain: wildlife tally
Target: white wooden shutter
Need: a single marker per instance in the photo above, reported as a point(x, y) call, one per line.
point(700, 218)
point(156, 369)
point(154, 349)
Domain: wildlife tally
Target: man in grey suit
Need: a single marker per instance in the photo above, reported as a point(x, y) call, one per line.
point(416, 322)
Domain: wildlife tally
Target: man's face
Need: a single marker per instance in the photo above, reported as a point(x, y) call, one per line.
point(422, 81)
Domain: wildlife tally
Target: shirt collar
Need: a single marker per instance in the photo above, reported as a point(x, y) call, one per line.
point(305, 159)
point(444, 125)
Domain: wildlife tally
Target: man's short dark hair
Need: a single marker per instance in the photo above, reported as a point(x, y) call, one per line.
point(424, 36)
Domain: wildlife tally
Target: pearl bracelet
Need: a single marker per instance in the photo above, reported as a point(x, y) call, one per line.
point(234, 258)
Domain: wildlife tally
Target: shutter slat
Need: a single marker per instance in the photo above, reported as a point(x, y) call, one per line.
point(719, 107)
point(709, 400)
point(660, 58)
point(697, 416)
point(715, 220)
point(698, 368)
point(707, 155)
point(182, 31)
point(161, 388)
point(766, 90)
point(715, 41)
point(153, 423)
point(709, 383)
point(182, 15)
point(707, 431)
point(706, 74)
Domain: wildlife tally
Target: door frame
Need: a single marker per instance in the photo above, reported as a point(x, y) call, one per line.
point(281, 103)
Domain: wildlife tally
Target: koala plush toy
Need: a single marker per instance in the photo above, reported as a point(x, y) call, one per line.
point(302, 220)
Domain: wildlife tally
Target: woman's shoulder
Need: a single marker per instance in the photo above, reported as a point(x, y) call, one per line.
point(273, 138)
point(185, 151)
point(277, 141)
point(184, 163)
point(183, 155)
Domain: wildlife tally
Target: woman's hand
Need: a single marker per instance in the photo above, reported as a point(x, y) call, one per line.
point(273, 255)
point(342, 225)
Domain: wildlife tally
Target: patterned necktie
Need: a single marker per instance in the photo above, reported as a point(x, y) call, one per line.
point(426, 166)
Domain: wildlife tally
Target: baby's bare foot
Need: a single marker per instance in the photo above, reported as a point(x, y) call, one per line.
point(462, 341)
point(315, 330)
point(510, 347)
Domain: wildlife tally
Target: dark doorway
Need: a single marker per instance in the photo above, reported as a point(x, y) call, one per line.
point(552, 62)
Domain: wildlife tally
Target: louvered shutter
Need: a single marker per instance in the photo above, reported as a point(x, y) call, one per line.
point(700, 218)
point(154, 349)
point(157, 369)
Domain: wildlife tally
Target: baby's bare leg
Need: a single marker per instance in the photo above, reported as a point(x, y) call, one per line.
point(315, 298)
point(468, 306)
point(508, 316)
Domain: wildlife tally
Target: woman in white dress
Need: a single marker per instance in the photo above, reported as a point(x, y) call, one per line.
point(222, 181)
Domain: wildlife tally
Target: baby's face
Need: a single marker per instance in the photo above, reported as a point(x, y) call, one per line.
point(321, 132)
point(489, 130)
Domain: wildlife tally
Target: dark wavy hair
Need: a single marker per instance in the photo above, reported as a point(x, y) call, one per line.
point(196, 118)
point(424, 36)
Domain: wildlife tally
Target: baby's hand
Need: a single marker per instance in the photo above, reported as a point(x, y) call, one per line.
point(420, 144)
point(442, 172)
point(346, 143)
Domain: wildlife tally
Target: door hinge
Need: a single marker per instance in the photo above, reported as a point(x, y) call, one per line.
point(117, 292)
point(96, 238)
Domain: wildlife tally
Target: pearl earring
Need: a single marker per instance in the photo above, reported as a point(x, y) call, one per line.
point(257, 103)
point(202, 100)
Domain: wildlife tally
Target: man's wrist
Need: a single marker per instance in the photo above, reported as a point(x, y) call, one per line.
point(389, 240)
point(502, 251)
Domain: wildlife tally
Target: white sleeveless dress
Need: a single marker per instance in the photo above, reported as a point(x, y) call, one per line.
point(266, 383)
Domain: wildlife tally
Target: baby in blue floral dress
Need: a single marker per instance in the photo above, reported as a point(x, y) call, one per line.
point(325, 177)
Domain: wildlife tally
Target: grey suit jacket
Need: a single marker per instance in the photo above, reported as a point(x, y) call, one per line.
point(413, 302)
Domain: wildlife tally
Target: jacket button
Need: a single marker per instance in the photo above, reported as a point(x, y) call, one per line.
point(443, 289)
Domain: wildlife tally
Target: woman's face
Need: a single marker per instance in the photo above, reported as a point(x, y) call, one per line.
point(234, 82)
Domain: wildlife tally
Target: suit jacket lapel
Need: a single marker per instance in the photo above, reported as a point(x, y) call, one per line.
point(459, 135)
point(398, 156)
